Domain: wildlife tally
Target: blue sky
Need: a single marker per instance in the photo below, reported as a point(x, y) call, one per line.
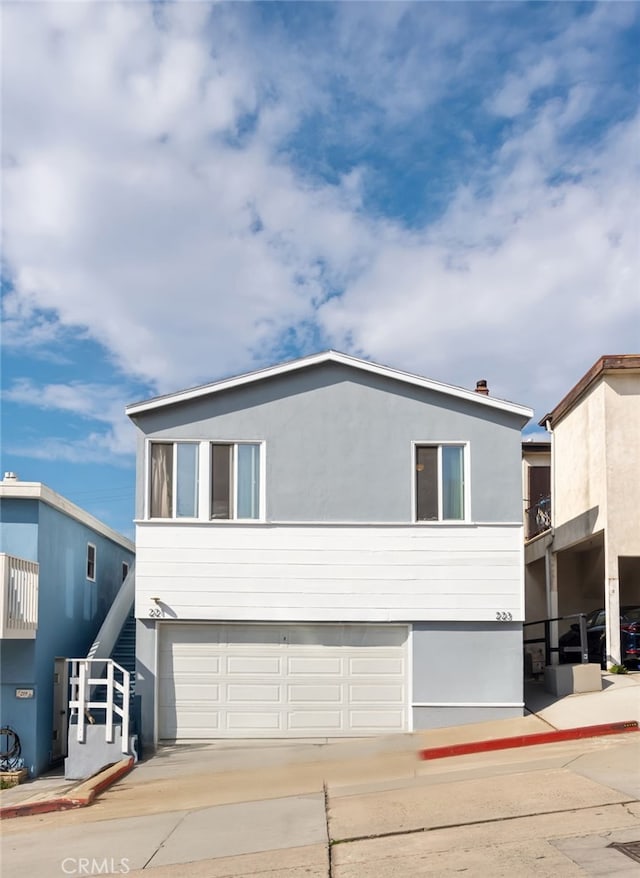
point(193, 190)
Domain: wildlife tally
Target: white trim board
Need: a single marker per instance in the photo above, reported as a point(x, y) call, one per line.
point(468, 704)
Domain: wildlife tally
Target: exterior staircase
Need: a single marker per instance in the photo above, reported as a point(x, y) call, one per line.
point(124, 652)
point(103, 708)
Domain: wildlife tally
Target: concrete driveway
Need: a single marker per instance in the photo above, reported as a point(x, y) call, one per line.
point(354, 809)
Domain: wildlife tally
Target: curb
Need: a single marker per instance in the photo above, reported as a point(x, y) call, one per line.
point(528, 740)
point(79, 797)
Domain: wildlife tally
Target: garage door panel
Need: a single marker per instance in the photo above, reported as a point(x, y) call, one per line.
point(314, 665)
point(375, 719)
point(272, 681)
point(203, 673)
point(315, 694)
point(253, 721)
point(253, 665)
point(373, 694)
point(375, 666)
point(254, 694)
point(189, 690)
point(188, 723)
point(205, 663)
point(314, 721)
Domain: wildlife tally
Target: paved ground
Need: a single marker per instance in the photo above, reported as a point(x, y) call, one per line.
point(360, 809)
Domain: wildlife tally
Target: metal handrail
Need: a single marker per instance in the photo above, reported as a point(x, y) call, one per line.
point(583, 649)
point(538, 517)
point(83, 697)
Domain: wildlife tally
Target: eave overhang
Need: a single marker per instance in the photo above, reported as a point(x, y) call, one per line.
point(160, 402)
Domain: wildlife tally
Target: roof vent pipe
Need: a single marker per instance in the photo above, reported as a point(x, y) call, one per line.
point(481, 387)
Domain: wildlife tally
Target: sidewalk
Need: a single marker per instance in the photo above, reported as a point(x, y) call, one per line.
point(322, 759)
point(358, 808)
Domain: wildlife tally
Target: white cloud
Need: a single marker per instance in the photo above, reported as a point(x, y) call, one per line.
point(99, 447)
point(88, 401)
point(530, 285)
point(154, 199)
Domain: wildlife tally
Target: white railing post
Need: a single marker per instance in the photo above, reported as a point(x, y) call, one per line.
point(125, 711)
point(82, 698)
point(13, 618)
point(109, 702)
point(4, 560)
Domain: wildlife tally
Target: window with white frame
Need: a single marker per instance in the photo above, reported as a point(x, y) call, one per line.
point(235, 481)
point(185, 483)
point(174, 480)
point(440, 482)
point(91, 562)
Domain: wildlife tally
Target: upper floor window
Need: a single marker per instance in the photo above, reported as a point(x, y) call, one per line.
point(91, 562)
point(235, 480)
point(440, 482)
point(205, 480)
point(125, 570)
point(174, 480)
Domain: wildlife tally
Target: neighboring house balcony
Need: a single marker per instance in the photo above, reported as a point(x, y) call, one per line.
point(18, 598)
point(538, 518)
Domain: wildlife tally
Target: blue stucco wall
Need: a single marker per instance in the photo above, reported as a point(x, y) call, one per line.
point(71, 609)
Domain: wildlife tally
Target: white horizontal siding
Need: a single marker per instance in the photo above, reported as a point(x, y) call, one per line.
point(329, 573)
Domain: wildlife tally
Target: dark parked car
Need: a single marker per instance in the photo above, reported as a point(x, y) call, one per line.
point(629, 638)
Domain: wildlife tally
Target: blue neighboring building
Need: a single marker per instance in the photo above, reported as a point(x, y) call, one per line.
point(60, 570)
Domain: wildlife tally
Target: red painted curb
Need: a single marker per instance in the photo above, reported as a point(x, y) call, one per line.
point(28, 808)
point(66, 803)
point(528, 740)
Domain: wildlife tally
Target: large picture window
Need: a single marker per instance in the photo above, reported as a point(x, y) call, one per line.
point(174, 480)
point(440, 483)
point(235, 481)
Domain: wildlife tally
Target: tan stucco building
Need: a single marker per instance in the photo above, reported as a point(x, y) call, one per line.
point(582, 550)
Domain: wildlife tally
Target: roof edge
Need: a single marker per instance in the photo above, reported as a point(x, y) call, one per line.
point(17, 490)
point(606, 363)
point(329, 356)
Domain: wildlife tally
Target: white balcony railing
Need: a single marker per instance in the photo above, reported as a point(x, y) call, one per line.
point(18, 597)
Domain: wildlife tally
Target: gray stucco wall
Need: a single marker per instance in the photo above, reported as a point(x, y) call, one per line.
point(338, 443)
point(146, 635)
point(472, 663)
point(446, 717)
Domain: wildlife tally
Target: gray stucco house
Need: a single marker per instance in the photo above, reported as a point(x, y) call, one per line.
point(327, 547)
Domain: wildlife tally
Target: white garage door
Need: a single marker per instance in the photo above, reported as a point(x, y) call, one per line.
point(250, 681)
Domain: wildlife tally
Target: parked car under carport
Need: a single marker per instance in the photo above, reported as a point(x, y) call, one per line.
point(596, 638)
